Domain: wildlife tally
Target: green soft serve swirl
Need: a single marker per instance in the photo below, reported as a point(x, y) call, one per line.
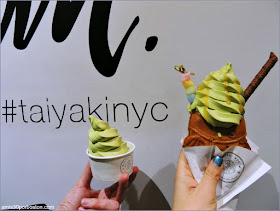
point(104, 141)
point(219, 98)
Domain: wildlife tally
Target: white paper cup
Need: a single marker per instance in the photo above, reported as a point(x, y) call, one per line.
point(112, 167)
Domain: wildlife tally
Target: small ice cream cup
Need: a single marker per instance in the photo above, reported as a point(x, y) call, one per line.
point(112, 167)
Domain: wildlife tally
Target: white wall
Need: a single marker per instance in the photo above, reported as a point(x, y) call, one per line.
point(40, 164)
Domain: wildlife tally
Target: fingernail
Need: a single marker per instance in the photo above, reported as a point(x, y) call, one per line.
point(126, 176)
point(218, 161)
point(85, 202)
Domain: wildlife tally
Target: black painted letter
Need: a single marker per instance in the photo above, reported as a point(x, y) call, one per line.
point(22, 14)
point(104, 62)
point(65, 15)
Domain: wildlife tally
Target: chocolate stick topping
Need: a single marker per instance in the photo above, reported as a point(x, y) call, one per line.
point(260, 76)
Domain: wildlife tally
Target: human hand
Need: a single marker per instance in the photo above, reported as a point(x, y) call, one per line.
point(190, 195)
point(106, 199)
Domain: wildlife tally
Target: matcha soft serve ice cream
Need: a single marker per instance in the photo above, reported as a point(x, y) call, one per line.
point(219, 98)
point(104, 141)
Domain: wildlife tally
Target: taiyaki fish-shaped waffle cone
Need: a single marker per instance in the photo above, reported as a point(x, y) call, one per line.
point(203, 134)
point(223, 135)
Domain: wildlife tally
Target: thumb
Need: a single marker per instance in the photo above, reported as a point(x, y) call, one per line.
point(212, 175)
point(86, 177)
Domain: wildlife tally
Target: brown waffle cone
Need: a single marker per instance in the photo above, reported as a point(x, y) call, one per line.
point(203, 134)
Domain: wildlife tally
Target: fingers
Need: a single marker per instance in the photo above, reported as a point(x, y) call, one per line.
point(86, 177)
point(124, 183)
point(212, 175)
point(99, 204)
point(119, 188)
point(133, 175)
point(183, 168)
point(122, 188)
point(135, 170)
